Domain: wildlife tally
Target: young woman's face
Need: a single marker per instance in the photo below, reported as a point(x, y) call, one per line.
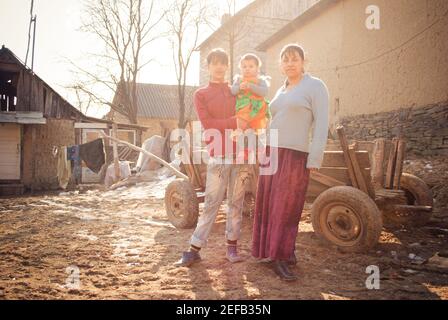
point(292, 64)
point(249, 68)
point(217, 70)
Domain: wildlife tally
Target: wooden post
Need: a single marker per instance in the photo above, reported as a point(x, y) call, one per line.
point(388, 184)
point(115, 151)
point(344, 147)
point(399, 163)
point(357, 170)
point(377, 165)
point(33, 157)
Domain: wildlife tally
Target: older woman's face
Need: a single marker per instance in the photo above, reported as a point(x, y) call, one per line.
point(292, 64)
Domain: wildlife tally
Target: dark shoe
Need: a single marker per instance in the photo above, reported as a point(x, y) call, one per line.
point(292, 261)
point(188, 258)
point(282, 270)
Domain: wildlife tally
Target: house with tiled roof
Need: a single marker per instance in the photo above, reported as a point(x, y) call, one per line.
point(158, 107)
point(34, 119)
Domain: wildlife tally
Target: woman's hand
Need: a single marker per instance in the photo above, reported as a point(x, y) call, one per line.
point(314, 169)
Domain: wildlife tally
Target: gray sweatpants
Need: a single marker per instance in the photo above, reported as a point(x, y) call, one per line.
point(219, 177)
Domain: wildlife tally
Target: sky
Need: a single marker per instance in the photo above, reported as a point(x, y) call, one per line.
point(58, 38)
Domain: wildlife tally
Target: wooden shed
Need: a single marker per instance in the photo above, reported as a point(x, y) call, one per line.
point(33, 119)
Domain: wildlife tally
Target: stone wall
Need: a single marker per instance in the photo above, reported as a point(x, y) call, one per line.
point(425, 129)
point(55, 133)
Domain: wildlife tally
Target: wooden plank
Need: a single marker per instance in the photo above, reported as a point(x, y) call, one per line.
point(336, 159)
point(384, 197)
point(362, 185)
point(97, 125)
point(388, 183)
point(189, 169)
point(399, 163)
point(7, 117)
point(31, 121)
point(340, 174)
point(197, 174)
point(35, 103)
point(377, 163)
point(334, 145)
point(31, 114)
point(48, 102)
point(326, 180)
point(115, 152)
point(346, 155)
point(315, 188)
point(9, 67)
point(366, 177)
point(404, 207)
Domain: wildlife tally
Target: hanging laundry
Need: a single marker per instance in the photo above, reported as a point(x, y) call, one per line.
point(73, 155)
point(64, 167)
point(92, 153)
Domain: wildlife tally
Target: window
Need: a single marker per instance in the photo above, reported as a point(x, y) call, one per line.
point(8, 91)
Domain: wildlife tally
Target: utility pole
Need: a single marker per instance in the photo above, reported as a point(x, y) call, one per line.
point(33, 21)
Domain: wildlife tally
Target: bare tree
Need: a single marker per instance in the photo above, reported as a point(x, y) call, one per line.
point(83, 101)
point(186, 20)
point(234, 32)
point(125, 28)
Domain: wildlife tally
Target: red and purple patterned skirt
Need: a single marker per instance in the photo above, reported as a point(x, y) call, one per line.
point(279, 204)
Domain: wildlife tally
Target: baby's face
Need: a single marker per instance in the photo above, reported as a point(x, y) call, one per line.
point(249, 68)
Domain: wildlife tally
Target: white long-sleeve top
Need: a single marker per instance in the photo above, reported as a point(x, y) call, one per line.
point(301, 117)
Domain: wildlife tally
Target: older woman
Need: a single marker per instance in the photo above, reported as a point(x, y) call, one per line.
point(299, 107)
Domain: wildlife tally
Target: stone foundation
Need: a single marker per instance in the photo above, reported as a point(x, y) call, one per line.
point(425, 129)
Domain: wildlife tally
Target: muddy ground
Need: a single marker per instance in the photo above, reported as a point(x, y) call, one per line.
point(124, 248)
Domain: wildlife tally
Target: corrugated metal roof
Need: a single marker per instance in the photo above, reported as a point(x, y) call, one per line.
point(161, 101)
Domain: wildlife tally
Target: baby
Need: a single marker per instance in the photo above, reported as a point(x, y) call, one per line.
point(251, 89)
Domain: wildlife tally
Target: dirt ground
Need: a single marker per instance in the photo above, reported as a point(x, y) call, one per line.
point(124, 248)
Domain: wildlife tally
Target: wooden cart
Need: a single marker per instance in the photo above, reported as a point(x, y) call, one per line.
point(182, 197)
point(359, 186)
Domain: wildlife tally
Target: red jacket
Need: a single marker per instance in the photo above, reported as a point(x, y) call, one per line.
point(215, 107)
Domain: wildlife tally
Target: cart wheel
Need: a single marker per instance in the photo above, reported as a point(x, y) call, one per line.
point(418, 194)
point(181, 204)
point(348, 218)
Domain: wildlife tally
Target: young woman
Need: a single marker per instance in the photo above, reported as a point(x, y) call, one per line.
point(300, 104)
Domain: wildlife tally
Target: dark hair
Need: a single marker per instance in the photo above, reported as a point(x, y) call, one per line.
point(293, 48)
point(290, 48)
point(253, 57)
point(218, 55)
